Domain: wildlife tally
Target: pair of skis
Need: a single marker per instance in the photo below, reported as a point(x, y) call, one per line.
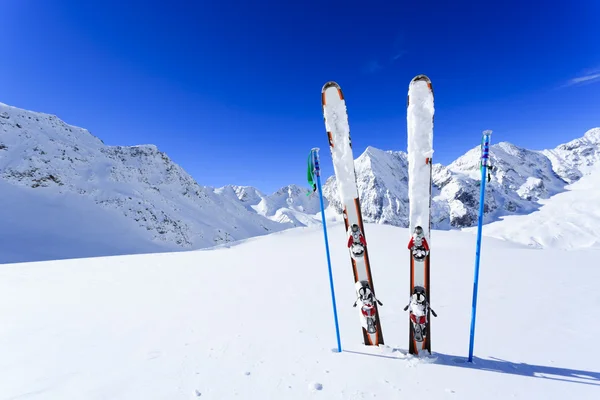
point(420, 150)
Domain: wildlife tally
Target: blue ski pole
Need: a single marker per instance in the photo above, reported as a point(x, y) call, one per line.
point(485, 155)
point(314, 160)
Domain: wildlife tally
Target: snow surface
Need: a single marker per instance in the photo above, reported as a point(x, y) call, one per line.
point(39, 226)
point(576, 158)
point(336, 122)
point(568, 220)
point(224, 324)
point(419, 116)
point(47, 161)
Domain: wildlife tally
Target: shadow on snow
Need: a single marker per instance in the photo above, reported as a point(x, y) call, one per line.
point(497, 365)
point(536, 371)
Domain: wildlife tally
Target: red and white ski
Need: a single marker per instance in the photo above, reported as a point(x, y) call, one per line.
point(338, 132)
point(420, 112)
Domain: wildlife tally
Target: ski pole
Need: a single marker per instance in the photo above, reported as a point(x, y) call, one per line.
point(317, 173)
point(485, 150)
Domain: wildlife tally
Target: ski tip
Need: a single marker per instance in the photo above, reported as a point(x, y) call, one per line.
point(420, 78)
point(329, 85)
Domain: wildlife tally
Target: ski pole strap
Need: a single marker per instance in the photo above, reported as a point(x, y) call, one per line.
point(489, 169)
point(312, 171)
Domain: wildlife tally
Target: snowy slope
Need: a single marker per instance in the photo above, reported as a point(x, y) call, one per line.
point(224, 324)
point(574, 159)
point(520, 178)
point(568, 220)
point(40, 226)
point(44, 156)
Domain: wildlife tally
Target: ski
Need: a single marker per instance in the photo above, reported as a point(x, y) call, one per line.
point(340, 145)
point(419, 115)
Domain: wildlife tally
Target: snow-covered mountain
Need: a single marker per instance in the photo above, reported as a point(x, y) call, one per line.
point(519, 180)
point(382, 182)
point(576, 158)
point(140, 196)
point(289, 205)
point(568, 220)
point(42, 155)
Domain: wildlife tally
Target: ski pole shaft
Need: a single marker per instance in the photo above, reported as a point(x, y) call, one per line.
point(485, 149)
point(315, 156)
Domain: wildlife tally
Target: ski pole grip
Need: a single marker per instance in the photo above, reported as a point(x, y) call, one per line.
point(485, 148)
point(315, 153)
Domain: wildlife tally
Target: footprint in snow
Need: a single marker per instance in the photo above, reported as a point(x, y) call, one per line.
point(315, 386)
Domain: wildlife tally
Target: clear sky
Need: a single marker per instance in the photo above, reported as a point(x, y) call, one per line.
point(230, 90)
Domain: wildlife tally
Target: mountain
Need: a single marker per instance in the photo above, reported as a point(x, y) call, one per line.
point(140, 326)
point(520, 179)
point(568, 220)
point(162, 205)
point(289, 205)
point(382, 181)
point(576, 158)
point(93, 200)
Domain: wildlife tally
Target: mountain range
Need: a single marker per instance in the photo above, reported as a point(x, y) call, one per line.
point(140, 196)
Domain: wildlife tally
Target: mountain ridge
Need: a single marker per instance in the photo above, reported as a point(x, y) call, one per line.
point(39, 151)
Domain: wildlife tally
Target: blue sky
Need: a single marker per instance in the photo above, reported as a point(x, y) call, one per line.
point(230, 90)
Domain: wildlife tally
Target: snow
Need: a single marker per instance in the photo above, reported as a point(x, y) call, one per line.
point(521, 180)
point(56, 174)
point(44, 226)
point(46, 160)
point(336, 122)
point(568, 220)
point(224, 323)
point(576, 158)
point(382, 185)
point(419, 117)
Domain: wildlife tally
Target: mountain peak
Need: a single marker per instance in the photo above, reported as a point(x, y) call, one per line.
point(593, 135)
point(371, 151)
